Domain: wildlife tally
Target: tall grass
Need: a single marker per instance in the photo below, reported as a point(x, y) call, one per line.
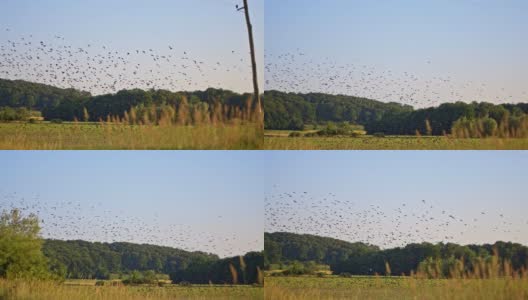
point(486, 280)
point(508, 127)
point(162, 127)
point(38, 290)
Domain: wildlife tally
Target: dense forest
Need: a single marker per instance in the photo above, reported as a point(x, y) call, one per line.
point(70, 104)
point(442, 119)
point(81, 259)
point(362, 259)
point(294, 111)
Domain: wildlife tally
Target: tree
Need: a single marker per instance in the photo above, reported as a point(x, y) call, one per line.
point(20, 247)
point(489, 126)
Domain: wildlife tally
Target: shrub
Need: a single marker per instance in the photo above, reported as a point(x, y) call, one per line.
point(295, 134)
point(489, 126)
point(185, 283)
point(56, 121)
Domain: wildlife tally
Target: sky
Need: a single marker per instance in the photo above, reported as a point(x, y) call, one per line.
point(418, 52)
point(206, 201)
point(369, 195)
point(207, 31)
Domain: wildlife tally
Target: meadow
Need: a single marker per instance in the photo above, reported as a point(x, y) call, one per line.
point(109, 136)
point(394, 287)
point(277, 140)
point(88, 290)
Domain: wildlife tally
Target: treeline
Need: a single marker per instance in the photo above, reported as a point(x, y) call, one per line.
point(70, 104)
point(245, 269)
point(81, 260)
point(283, 248)
point(461, 119)
point(293, 111)
point(36, 96)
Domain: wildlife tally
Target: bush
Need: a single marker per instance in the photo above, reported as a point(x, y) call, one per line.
point(345, 275)
point(295, 134)
point(56, 121)
point(379, 135)
point(489, 126)
point(99, 283)
point(185, 283)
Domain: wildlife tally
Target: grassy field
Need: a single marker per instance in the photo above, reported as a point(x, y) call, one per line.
point(57, 291)
point(280, 141)
point(334, 287)
point(94, 136)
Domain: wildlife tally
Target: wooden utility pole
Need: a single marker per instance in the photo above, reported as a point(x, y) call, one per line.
point(253, 57)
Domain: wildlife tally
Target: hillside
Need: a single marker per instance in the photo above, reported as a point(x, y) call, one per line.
point(81, 259)
point(283, 246)
point(361, 259)
point(293, 111)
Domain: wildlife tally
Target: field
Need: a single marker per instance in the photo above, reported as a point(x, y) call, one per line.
point(88, 290)
point(334, 287)
point(105, 136)
point(274, 140)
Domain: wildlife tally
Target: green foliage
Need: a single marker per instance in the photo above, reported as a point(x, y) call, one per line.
point(70, 104)
point(489, 126)
point(285, 247)
point(20, 247)
point(14, 114)
point(361, 259)
point(82, 259)
point(301, 268)
point(290, 111)
point(144, 263)
point(146, 277)
point(206, 271)
point(341, 129)
point(19, 93)
point(442, 119)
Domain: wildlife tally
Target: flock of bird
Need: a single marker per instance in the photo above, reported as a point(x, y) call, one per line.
point(101, 69)
point(70, 220)
point(295, 71)
point(328, 215)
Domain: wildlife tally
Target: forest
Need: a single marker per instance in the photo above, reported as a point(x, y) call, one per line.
point(82, 260)
point(362, 259)
point(71, 104)
point(291, 111)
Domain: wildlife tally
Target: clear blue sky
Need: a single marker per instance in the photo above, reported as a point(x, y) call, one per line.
point(462, 184)
point(482, 41)
point(208, 30)
point(193, 200)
